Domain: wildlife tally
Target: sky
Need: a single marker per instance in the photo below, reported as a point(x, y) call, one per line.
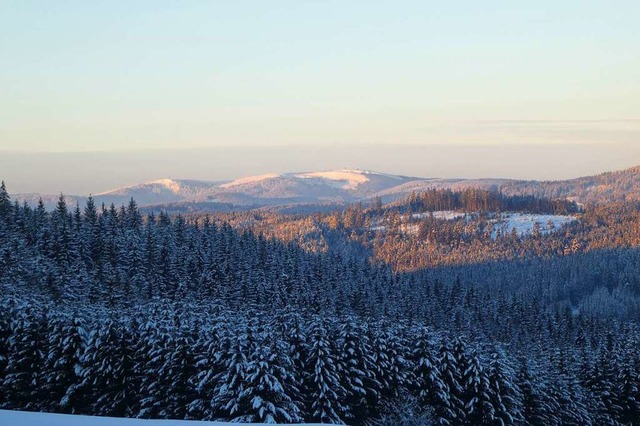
point(121, 78)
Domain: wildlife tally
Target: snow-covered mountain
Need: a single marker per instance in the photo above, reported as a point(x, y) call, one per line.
point(159, 191)
point(342, 186)
point(334, 186)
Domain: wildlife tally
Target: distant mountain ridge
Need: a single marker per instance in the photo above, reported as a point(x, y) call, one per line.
point(345, 186)
point(616, 186)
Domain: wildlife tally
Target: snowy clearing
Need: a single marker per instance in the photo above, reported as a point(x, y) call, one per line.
point(442, 215)
point(23, 418)
point(525, 223)
point(411, 228)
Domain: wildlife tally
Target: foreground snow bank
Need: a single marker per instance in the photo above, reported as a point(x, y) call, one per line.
point(22, 418)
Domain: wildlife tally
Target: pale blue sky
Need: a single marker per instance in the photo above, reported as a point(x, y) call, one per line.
point(135, 75)
point(81, 75)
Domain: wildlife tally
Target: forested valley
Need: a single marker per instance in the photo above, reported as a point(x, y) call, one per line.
point(375, 314)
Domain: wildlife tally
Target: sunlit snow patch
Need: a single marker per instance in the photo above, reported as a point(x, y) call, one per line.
point(525, 223)
point(442, 215)
point(248, 180)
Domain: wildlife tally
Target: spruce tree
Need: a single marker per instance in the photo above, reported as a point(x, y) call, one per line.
point(151, 355)
point(271, 394)
point(62, 378)
point(178, 371)
point(477, 394)
point(5, 202)
point(427, 383)
point(322, 379)
point(450, 408)
point(533, 409)
point(108, 371)
point(229, 396)
point(357, 360)
point(23, 381)
point(629, 392)
point(506, 398)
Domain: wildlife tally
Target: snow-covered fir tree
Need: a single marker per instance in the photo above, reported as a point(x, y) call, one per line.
point(108, 370)
point(323, 383)
point(63, 369)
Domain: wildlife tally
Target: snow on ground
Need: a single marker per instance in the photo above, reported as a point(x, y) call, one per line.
point(170, 184)
point(343, 179)
point(248, 180)
point(524, 223)
point(409, 228)
point(155, 186)
point(22, 418)
point(347, 180)
point(443, 215)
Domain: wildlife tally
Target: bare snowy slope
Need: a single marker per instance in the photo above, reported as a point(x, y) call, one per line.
point(311, 187)
point(159, 192)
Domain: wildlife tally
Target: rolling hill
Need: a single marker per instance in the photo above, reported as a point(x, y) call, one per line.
point(337, 187)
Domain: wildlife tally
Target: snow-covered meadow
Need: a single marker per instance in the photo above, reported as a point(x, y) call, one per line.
point(442, 215)
point(525, 223)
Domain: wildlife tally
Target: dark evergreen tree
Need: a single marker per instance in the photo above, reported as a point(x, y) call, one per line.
point(322, 379)
point(23, 382)
point(449, 407)
point(229, 395)
point(108, 371)
point(506, 397)
point(5, 335)
point(363, 390)
point(150, 356)
point(477, 394)
point(629, 393)
point(178, 371)
point(426, 381)
point(534, 409)
point(62, 371)
point(271, 394)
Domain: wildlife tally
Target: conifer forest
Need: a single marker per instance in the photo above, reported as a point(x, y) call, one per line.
point(378, 314)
